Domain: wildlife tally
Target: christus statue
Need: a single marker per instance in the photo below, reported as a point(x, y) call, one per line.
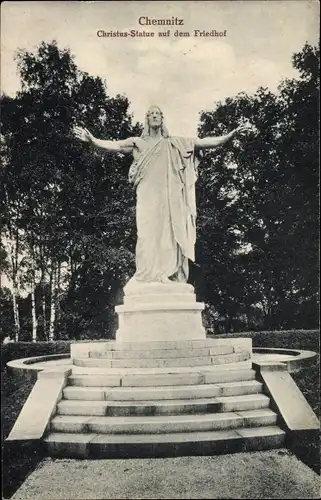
point(164, 172)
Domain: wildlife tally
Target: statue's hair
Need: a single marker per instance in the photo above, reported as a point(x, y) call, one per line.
point(146, 130)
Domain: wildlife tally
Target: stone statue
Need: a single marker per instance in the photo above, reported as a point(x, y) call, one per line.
point(164, 173)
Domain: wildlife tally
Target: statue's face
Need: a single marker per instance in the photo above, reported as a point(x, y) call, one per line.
point(154, 117)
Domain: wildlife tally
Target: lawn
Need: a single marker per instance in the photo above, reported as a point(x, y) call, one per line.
point(17, 462)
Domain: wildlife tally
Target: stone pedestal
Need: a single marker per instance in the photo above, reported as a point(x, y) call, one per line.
point(159, 312)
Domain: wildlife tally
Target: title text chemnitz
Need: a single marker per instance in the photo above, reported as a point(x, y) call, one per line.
point(173, 21)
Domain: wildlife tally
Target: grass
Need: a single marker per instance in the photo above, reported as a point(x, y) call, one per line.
point(308, 449)
point(19, 461)
point(308, 382)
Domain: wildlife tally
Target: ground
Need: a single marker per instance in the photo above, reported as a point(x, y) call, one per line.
point(268, 474)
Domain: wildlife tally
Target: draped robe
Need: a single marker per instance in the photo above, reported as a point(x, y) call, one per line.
point(164, 175)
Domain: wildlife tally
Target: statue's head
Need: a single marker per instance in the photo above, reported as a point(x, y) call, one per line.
point(154, 118)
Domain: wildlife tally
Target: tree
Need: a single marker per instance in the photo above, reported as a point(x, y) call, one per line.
point(300, 136)
point(65, 197)
point(251, 203)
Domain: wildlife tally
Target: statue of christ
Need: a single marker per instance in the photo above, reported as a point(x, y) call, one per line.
point(164, 173)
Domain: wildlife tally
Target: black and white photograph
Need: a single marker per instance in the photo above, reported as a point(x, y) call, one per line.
point(159, 253)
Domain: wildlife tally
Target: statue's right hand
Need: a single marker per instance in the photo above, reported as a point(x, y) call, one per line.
point(82, 134)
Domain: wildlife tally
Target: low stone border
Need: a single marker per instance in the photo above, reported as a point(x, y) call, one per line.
point(25, 370)
point(295, 416)
point(301, 359)
point(26, 363)
point(34, 418)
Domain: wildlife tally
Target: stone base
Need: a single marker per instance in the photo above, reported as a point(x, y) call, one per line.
point(159, 312)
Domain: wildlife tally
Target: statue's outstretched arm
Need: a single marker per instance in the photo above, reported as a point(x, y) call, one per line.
point(214, 142)
point(125, 146)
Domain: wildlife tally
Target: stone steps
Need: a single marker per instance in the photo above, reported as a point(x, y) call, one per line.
point(152, 345)
point(130, 402)
point(161, 362)
point(93, 445)
point(163, 424)
point(167, 392)
point(195, 352)
point(152, 372)
point(162, 398)
point(160, 377)
point(163, 407)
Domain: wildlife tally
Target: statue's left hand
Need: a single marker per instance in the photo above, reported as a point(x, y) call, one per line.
point(244, 128)
point(241, 130)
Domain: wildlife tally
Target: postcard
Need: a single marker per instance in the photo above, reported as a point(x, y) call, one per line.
point(159, 249)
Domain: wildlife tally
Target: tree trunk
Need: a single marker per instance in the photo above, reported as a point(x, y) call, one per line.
point(73, 270)
point(16, 319)
point(44, 312)
point(33, 305)
point(33, 313)
point(13, 243)
point(227, 323)
point(14, 250)
point(34, 320)
point(43, 300)
point(57, 291)
point(52, 304)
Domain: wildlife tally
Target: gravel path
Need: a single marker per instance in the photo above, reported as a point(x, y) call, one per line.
point(268, 474)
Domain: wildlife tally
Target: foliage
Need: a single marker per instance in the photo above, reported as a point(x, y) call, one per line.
point(257, 200)
point(69, 206)
point(284, 339)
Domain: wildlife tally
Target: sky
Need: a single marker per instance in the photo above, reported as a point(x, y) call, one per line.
point(182, 75)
